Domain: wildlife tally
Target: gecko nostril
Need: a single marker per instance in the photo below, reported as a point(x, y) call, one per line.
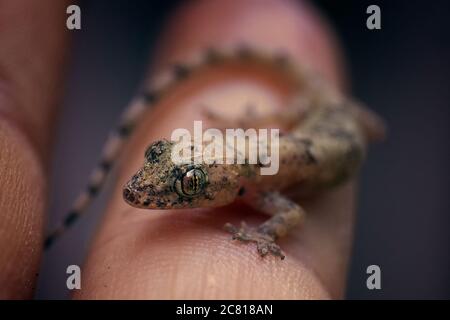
point(128, 195)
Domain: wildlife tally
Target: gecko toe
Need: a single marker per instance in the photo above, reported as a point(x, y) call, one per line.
point(265, 247)
point(265, 244)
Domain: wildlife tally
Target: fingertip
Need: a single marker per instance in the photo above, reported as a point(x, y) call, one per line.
point(185, 255)
point(276, 25)
point(293, 27)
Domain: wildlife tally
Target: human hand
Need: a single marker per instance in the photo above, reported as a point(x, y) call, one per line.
point(170, 254)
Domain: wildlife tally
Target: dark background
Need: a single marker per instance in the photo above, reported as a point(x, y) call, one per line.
point(401, 71)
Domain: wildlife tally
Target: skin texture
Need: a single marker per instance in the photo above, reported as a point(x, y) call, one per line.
point(323, 144)
point(167, 254)
point(184, 253)
point(30, 74)
point(324, 147)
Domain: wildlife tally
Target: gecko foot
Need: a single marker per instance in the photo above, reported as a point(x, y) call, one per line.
point(265, 243)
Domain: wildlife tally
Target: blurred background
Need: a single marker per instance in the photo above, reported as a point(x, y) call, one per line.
point(401, 71)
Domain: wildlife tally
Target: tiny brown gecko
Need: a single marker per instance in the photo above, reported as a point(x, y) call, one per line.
point(325, 144)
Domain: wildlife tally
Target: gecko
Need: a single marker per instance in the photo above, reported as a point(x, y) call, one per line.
point(323, 145)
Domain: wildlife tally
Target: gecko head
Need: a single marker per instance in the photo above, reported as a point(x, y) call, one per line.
point(162, 184)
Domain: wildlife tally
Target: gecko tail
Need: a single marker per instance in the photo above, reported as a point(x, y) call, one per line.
point(114, 145)
point(129, 119)
point(111, 152)
point(81, 204)
point(162, 86)
point(374, 126)
point(59, 231)
point(97, 180)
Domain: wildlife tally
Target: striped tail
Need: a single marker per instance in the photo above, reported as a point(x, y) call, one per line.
point(162, 85)
point(111, 151)
point(133, 114)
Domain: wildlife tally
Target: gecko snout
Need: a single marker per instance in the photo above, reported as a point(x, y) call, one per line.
point(129, 195)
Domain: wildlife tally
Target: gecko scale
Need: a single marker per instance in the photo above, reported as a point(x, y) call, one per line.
point(324, 145)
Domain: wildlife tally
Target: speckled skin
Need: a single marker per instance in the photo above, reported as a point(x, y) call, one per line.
point(324, 145)
point(324, 148)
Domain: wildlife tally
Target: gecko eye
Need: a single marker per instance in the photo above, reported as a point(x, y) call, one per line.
point(191, 183)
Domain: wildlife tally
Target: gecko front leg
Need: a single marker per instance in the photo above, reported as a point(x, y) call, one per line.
point(285, 215)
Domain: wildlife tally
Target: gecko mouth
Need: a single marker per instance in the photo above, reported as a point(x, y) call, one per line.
point(139, 199)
